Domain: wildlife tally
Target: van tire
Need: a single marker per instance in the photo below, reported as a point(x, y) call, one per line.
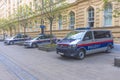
point(81, 54)
point(62, 55)
point(108, 50)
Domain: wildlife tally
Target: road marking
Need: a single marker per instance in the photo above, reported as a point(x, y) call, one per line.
point(16, 70)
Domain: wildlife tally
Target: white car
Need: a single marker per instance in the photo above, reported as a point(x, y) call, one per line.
point(41, 39)
point(16, 39)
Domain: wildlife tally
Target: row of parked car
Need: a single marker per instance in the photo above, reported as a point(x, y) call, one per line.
point(77, 43)
point(30, 42)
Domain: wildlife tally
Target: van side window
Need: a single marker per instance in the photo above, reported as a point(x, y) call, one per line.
point(102, 34)
point(88, 36)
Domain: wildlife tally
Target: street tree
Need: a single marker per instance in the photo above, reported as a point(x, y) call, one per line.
point(3, 26)
point(23, 13)
point(50, 9)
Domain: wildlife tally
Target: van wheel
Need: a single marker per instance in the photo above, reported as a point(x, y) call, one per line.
point(81, 54)
point(34, 45)
point(63, 56)
point(108, 49)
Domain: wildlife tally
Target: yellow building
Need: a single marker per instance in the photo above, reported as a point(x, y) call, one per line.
point(81, 13)
point(84, 13)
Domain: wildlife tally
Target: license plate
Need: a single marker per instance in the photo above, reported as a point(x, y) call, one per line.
point(61, 53)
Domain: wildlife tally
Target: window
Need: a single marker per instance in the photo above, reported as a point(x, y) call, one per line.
point(36, 4)
point(91, 17)
point(108, 15)
point(102, 34)
point(25, 36)
point(72, 20)
point(88, 36)
point(75, 35)
point(60, 22)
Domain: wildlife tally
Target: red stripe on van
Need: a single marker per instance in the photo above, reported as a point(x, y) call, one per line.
point(64, 44)
point(95, 43)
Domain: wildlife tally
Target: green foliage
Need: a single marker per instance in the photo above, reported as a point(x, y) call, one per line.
point(51, 9)
point(3, 24)
point(23, 11)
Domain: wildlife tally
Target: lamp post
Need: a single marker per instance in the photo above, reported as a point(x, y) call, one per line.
point(42, 21)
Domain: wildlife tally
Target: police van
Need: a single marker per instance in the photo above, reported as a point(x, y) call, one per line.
point(79, 43)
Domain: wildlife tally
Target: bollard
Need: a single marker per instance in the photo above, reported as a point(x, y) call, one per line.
point(117, 61)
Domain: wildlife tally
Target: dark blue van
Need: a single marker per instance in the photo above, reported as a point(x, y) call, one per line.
point(79, 43)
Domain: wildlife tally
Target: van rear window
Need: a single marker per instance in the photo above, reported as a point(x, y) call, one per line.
point(102, 34)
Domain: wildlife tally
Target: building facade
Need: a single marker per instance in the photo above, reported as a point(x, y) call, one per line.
point(3, 9)
point(81, 13)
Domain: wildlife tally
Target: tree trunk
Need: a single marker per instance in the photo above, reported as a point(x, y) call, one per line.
point(24, 30)
point(10, 28)
point(51, 22)
point(15, 31)
point(4, 35)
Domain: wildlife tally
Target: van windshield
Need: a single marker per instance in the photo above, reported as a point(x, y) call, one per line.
point(74, 35)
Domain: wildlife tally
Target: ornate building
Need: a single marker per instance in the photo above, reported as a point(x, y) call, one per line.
point(81, 13)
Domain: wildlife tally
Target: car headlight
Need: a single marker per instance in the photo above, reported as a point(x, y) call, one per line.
point(73, 46)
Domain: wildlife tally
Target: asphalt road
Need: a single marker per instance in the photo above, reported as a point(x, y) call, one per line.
point(19, 63)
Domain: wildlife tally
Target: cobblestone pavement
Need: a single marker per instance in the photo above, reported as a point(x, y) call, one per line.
point(40, 65)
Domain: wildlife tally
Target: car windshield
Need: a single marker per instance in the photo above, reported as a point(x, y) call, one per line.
point(13, 37)
point(36, 38)
point(74, 35)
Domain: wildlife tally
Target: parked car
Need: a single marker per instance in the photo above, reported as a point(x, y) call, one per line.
point(79, 43)
point(16, 39)
point(39, 40)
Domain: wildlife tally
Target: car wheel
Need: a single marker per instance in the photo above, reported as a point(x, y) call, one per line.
point(81, 55)
point(11, 42)
point(108, 49)
point(34, 45)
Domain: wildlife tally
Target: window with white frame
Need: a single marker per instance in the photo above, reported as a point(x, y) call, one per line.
point(108, 15)
point(72, 20)
point(91, 17)
point(60, 22)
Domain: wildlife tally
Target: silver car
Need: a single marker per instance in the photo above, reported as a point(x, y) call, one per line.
point(16, 39)
point(41, 39)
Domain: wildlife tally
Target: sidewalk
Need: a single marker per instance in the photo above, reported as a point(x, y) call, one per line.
point(117, 47)
point(5, 74)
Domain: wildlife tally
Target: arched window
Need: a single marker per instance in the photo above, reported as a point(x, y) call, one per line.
point(60, 22)
point(72, 20)
point(91, 17)
point(108, 15)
